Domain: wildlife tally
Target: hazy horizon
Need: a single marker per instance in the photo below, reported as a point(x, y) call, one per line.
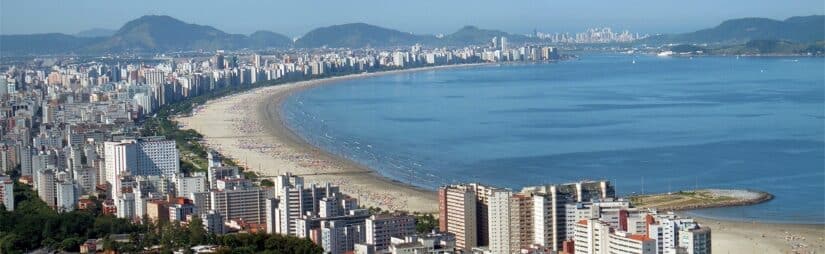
point(296, 18)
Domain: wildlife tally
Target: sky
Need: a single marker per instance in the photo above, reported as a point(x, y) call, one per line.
point(296, 17)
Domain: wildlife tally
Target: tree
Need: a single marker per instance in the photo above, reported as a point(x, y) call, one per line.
point(197, 233)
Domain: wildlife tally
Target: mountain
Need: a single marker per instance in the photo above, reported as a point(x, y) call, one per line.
point(41, 44)
point(471, 35)
point(738, 31)
point(95, 32)
point(355, 35)
point(163, 33)
point(267, 39)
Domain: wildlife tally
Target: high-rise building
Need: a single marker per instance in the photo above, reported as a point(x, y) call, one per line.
point(503, 44)
point(248, 204)
point(150, 156)
point(380, 228)
point(157, 211)
point(552, 209)
point(46, 187)
point(213, 222)
point(181, 209)
point(338, 237)
point(218, 172)
point(499, 221)
point(7, 193)
point(296, 199)
point(186, 185)
point(125, 203)
point(694, 240)
point(464, 211)
point(65, 196)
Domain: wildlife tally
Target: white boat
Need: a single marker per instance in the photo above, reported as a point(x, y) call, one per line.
point(665, 53)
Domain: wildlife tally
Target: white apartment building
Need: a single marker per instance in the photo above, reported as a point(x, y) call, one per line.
point(381, 228)
point(7, 193)
point(125, 203)
point(499, 221)
point(66, 196)
point(247, 204)
point(152, 156)
point(46, 187)
point(186, 185)
point(295, 200)
point(213, 222)
point(626, 243)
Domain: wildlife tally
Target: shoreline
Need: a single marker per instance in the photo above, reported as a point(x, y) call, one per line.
point(248, 128)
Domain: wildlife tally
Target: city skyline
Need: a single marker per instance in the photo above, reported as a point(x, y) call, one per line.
point(60, 17)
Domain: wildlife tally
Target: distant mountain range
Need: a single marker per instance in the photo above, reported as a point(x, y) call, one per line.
point(163, 33)
point(805, 29)
point(145, 34)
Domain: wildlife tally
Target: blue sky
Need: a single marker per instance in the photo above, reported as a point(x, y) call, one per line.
point(296, 17)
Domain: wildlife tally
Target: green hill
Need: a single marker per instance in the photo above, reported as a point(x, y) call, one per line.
point(40, 44)
point(162, 33)
point(471, 35)
point(738, 31)
point(355, 35)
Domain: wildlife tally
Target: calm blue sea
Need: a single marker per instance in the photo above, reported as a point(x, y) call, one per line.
point(657, 125)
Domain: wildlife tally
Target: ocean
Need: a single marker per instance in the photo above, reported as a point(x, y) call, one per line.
point(656, 125)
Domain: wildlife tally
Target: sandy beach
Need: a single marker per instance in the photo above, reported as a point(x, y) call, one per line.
point(247, 127)
point(757, 237)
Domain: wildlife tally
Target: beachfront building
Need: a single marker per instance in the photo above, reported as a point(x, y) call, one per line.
point(694, 240)
point(678, 235)
point(550, 203)
point(464, 209)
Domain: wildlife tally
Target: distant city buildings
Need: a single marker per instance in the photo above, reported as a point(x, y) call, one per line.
point(592, 35)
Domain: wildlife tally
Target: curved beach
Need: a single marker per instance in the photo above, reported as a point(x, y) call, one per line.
point(248, 128)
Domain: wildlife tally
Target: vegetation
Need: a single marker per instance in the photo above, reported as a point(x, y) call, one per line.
point(738, 31)
point(425, 223)
point(33, 225)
